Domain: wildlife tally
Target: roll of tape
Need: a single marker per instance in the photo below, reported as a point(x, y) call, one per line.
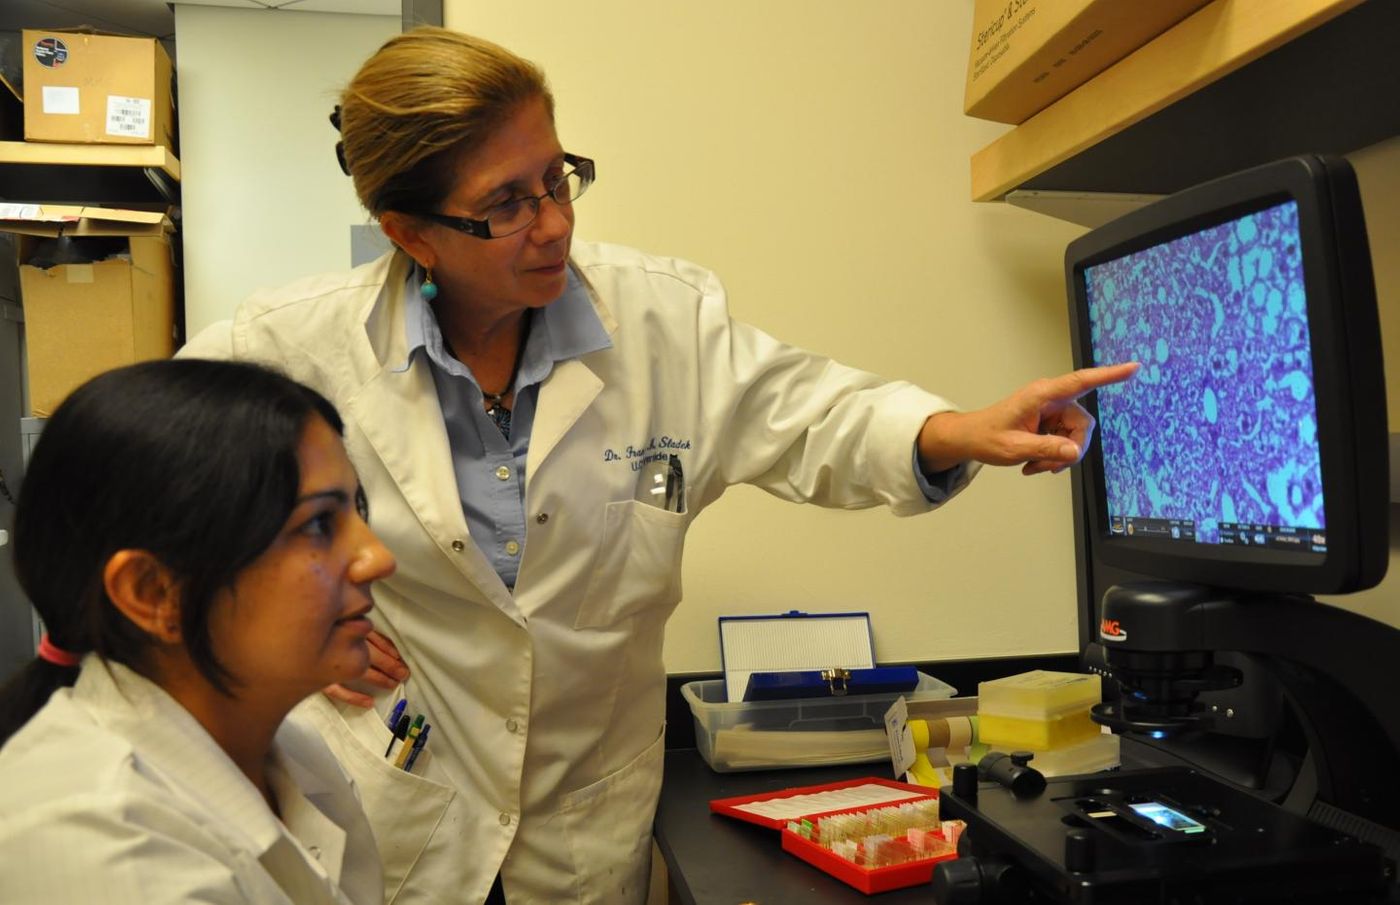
point(959, 732)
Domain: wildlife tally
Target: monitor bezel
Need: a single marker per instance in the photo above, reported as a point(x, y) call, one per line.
point(1343, 328)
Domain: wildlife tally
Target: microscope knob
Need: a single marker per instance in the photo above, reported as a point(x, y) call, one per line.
point(972, 881)
point(1011, 771)
point(965, 782)
point(1021, 758)
point(1079, 851)
point(958, 882)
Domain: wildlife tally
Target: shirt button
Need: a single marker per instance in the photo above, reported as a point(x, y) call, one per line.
point(542, 517)
point(505, 819)
point(503, 473)
point(458, 546)
point(315, 852)
point(512, 726)
point(512, 547)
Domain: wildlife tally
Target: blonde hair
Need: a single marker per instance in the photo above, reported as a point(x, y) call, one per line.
point(425, 100)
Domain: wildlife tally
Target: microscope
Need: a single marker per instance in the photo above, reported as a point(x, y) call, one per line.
point(1178, 834)
point(1243, 470)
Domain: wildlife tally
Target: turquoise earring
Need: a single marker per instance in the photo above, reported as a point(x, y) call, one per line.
point(429, 289)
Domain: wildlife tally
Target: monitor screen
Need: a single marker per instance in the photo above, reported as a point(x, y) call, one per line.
point(1243, 452)
point(1216, 441)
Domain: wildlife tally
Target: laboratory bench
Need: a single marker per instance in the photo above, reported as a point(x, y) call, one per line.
point(715, 860)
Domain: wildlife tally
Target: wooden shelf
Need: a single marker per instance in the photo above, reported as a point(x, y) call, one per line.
point(76, 174)
point(53, 154)
point(1238, 83)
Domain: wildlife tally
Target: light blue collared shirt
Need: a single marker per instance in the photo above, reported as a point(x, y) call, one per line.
point(490, 469)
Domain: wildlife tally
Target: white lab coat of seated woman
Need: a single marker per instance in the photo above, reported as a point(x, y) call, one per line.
point(113, 793)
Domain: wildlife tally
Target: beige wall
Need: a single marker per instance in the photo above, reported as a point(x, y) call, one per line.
point(815, 156)
point(264, 201)
point(1378, 172)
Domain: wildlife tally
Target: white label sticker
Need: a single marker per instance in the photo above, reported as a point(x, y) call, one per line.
point(129, 117)
point(902, 753)
point(19, 211)
point(60, 100)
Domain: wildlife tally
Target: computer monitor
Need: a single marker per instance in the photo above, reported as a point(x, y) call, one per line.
point(1250, 450)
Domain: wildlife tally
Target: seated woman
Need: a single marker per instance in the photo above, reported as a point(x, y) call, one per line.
point(194, 538)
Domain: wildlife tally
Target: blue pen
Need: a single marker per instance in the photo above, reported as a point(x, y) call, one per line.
point(418, 744)
point(394, 714)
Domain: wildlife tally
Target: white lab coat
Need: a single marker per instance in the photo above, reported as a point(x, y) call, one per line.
point(114, 793)
point(548, 704)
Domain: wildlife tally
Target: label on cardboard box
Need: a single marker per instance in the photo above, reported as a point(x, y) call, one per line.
point(51, 52)
point(129, 117)
point(59, 100)
point(14, 211)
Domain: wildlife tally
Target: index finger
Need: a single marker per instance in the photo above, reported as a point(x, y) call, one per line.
point(1077, 383)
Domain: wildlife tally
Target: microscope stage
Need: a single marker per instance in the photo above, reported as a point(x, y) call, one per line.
point(1152, 835)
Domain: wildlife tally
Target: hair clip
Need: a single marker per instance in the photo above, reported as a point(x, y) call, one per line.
point(340, 145)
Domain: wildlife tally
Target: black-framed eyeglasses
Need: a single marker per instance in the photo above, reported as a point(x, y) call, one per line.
point(516, 214)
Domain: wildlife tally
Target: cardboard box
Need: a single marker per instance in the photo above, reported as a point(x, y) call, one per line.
point(96, 89)
point(85, 318)
point(1026, 54)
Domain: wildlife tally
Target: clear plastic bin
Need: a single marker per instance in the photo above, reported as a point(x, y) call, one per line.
point(799, 732)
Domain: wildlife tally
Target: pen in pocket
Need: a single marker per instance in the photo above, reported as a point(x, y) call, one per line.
point(393, 718)
point(412, 737)
point(675, 485)
point(418, 745)
point(399, 730)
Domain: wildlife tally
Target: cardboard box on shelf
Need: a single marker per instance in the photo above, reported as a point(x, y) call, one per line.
point(86, 317)
point(96, 89)
point(1026, 54)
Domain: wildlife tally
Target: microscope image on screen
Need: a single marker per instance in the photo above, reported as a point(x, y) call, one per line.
point(1215, 441)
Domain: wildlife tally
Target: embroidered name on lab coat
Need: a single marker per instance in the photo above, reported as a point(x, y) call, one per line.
point(654, 449)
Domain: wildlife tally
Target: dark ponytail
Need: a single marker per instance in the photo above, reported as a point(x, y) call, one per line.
point(192, 461)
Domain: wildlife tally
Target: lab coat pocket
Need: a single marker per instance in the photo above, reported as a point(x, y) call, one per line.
point(637, 564)
point(404, 808)
point(607, 826)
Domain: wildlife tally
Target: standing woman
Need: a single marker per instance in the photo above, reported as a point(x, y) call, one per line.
point(538, 421)
point(193, 536)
